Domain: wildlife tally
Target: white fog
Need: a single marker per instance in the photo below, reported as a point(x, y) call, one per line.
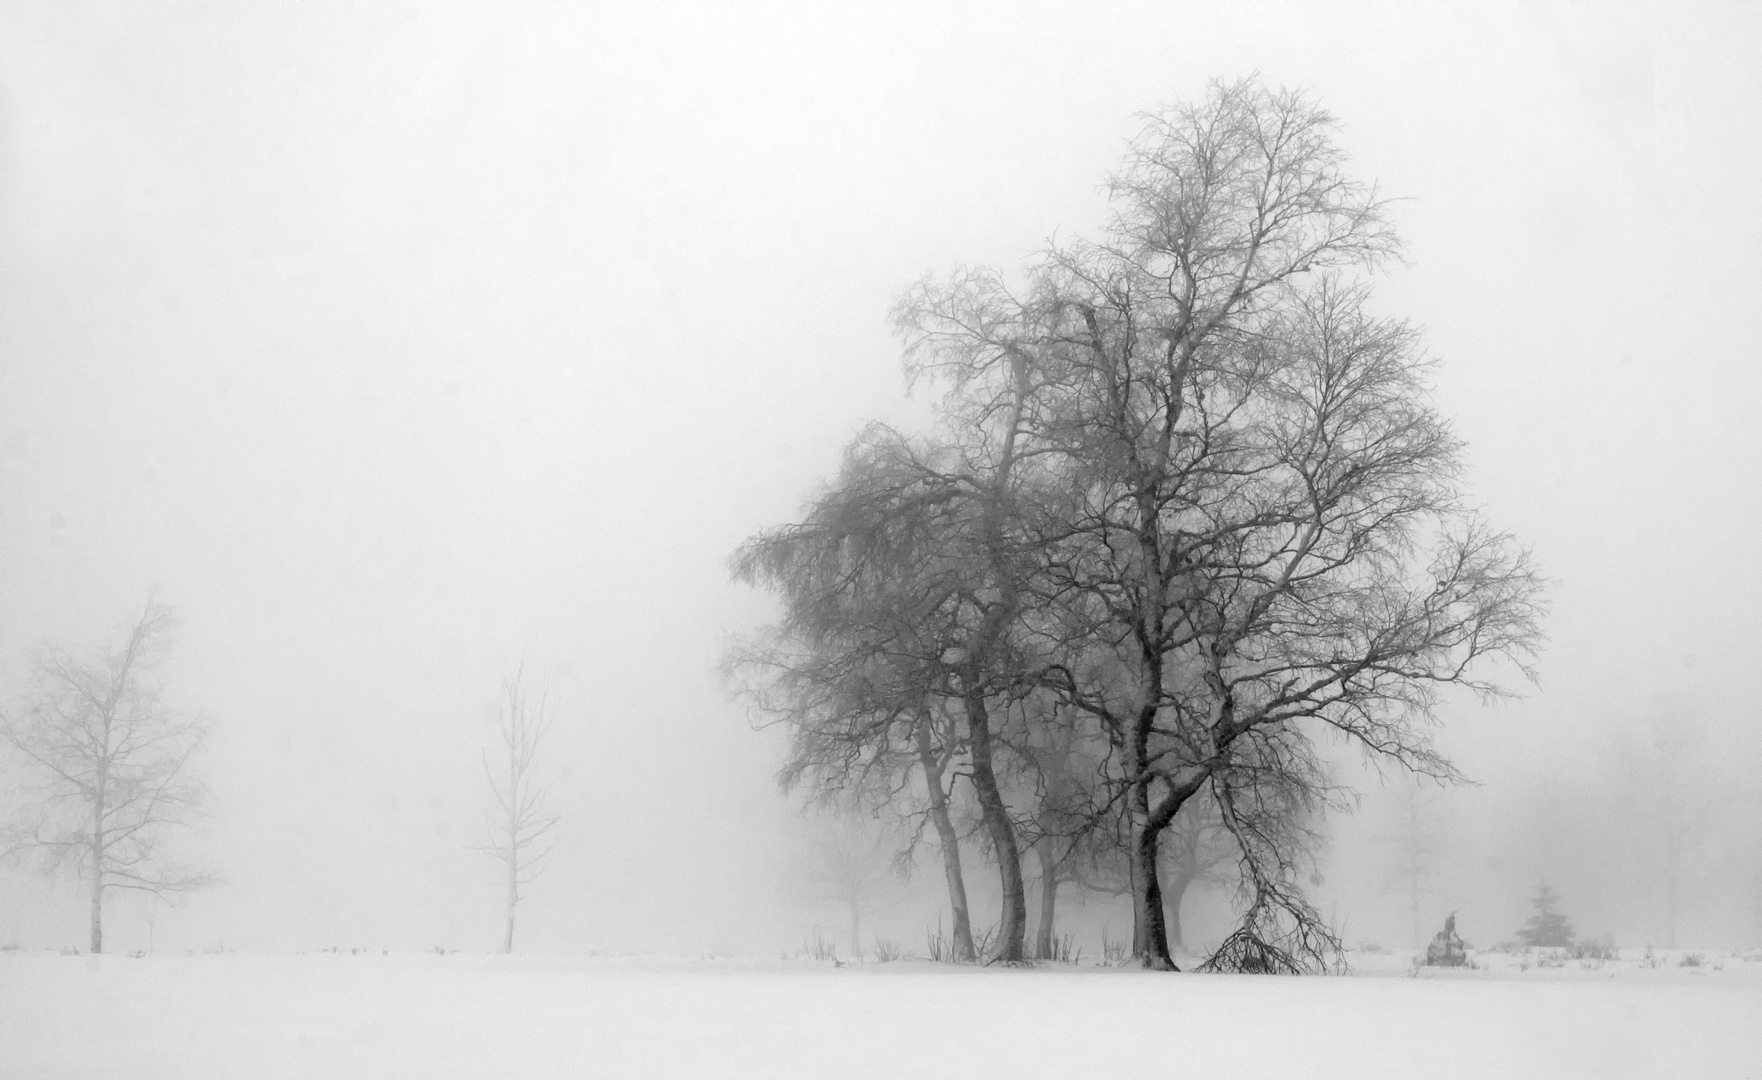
point(392, 347)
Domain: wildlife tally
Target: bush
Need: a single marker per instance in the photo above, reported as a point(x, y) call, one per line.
point(886, 950)
point(1113, 950)
point(819, 948)
point(1602, 948)
point(938, 945)
point(984, 938)
point(1064, 950)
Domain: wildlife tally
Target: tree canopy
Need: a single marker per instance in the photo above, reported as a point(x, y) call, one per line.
point(1187, 505)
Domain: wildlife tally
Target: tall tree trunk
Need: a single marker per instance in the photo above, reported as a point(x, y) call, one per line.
point(1043, 935)
point(856, 929)
point(949, 840)
point(1150, 941)
point(1013, 928)
point(1149, 935)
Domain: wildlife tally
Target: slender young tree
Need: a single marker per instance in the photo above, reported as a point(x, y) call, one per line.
point(519, 822)
point(110, 767)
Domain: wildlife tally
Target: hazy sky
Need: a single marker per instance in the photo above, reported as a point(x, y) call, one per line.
point(394, 342)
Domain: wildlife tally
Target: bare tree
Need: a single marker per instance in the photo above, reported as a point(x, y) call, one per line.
point(1257, 473)
point(848, 864)
point(1184, 486)
point(1416, 840)
point(519, 820)
point(1668, 789)
point(1071, 829)
point(892, 614)
point(110, 767)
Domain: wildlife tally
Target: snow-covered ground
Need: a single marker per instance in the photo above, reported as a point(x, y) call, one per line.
point(336, 1016)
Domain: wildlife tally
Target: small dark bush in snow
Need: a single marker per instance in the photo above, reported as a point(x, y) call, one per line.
point(936, 944)
point(1113, 950)
point(819, 948)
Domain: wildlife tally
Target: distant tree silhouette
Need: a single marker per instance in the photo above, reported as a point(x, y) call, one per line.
point(519, 824)
point(1547, 928)
point(110, 762)
point(846, 862)
point(1415, 841)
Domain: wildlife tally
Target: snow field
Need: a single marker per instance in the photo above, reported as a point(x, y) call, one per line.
point(341, 1016)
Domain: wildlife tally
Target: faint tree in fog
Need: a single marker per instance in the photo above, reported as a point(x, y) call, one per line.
point(1668, 787)
point(844, 862)
point(1415, 842)
point(1066, 826)
point(109, 763)
point(1547, 928)
point(518, 821)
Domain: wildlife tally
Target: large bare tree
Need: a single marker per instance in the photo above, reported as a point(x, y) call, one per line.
point(519, 822)
point(1188, 487)
point(1268, 534)
point(108, 763)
